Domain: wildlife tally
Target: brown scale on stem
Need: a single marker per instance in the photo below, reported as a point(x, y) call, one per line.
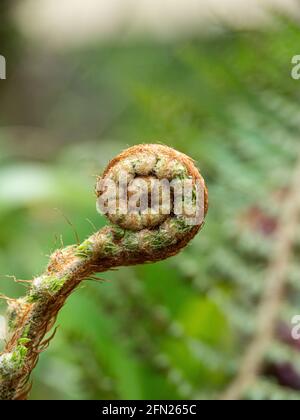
point(131, 239)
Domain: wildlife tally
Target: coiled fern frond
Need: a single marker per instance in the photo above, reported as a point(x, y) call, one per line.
point(136, 238)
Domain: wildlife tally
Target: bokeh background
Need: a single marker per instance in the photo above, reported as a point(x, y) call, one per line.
point(212, 79)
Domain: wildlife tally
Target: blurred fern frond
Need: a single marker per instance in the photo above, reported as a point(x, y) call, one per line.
point(239, 118)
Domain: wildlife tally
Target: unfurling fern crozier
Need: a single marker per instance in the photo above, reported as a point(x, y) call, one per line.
point(141, 230)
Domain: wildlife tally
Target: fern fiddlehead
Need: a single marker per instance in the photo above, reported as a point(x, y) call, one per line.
point(133, 237)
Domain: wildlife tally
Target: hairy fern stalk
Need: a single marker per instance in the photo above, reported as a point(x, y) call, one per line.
point(141, 240)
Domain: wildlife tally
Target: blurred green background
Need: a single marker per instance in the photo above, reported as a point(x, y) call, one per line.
point(174, 329)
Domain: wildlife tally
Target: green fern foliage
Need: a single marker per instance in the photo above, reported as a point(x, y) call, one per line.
point(179, 328)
